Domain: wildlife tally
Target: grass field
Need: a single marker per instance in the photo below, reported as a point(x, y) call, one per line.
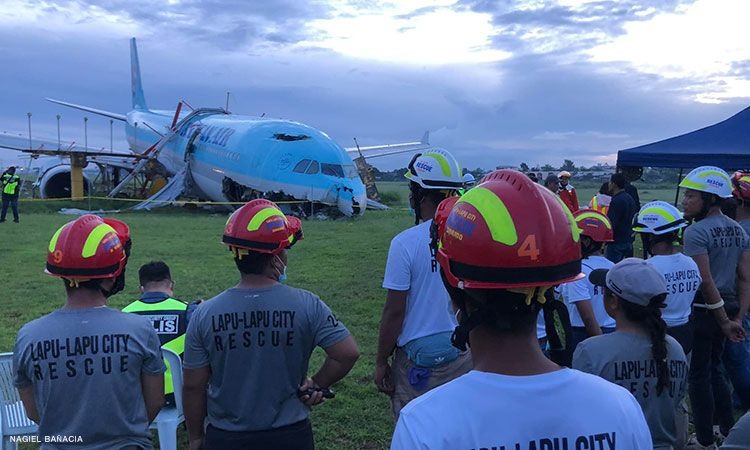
point(342, 261)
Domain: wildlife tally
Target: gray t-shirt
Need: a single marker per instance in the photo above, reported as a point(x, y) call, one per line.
point(258, 344)
point(723, 240)
point(626, 359)
point(739, 436)
point(745, 224)
point(85, 367)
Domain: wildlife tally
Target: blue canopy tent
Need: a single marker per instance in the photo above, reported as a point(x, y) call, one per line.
point(725, 144)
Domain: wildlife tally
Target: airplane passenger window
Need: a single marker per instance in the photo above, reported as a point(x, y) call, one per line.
point(333, 170)
point(302, 166)
point(313, 169)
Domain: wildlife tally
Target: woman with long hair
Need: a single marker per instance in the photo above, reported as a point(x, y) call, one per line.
point(639, 356)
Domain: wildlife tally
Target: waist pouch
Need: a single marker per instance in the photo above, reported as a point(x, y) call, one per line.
point(434, 350)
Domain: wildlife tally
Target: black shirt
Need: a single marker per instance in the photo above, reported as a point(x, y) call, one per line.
point(622, 208)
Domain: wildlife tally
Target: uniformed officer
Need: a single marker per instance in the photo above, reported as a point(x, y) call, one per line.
point(247, 350)
point(89, 375)
point(10, 188)
point(168, 315)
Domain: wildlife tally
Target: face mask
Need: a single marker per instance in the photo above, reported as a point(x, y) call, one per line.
point(282, 272)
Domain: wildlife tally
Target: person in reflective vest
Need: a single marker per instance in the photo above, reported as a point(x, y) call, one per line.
point(600, 201)
point(168, 315)
point(10, 187)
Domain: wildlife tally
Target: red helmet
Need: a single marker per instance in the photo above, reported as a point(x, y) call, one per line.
point(85, 248)
point(741, 185)
point(594, 225)
point(509, 232)
point(260, 226)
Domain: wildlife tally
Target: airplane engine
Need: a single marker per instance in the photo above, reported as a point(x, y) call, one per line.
point(55, 182)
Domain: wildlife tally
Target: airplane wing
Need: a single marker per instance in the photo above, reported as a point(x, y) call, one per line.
point(42, 147)
point(100, 112)
point(377, 151)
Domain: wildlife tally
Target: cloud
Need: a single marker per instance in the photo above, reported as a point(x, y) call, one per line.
point(564, 29)
point(228, 24)
point(542, 97)
point(570, 135)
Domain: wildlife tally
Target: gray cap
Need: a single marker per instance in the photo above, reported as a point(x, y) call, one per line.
point(631, 279)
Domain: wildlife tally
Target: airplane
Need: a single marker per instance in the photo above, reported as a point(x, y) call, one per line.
point(226, 157)
point(50, 162)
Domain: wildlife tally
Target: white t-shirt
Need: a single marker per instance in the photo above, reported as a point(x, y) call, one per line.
point(576, 291)
point(683, 281)
point(412, 267)
point(562, 409)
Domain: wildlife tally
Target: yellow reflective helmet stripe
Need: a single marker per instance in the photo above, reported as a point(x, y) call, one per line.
point(659, 212)
point(95, 238)
point(261, 217)
point(53, 241)
point(574, 230)
point(690, 184)
point(709, 173)
point(444, 164)
point(594, 216)
point(495, 214)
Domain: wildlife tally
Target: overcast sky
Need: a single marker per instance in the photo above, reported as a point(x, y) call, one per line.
point(495, 82)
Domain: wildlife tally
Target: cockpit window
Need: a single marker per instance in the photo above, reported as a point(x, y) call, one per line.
point(333, 170)
point(302, 166)
point(313, 169)
point(351, 172)
point(290, 137)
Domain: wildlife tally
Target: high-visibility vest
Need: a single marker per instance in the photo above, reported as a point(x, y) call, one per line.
point(594, 204)
point(169, 318)
point(10, 183)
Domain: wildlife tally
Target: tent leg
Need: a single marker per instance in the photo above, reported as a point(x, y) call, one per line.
point(677, 192)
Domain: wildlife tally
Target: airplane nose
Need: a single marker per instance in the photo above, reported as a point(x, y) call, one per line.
point(359, 204)
point(346, 203)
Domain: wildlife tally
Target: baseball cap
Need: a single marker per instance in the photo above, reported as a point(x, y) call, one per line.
point(564, 173)
point(632, 279)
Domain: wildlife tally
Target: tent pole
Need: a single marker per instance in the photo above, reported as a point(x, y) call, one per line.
point(677, 192)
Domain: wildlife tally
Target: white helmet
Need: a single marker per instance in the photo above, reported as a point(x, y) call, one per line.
point(435, 169)
point(710, 179)
point(469, 180)
point(658, 218)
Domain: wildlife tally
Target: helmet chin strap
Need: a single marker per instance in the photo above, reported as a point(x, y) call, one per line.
point(466, 323)
point(416, 195)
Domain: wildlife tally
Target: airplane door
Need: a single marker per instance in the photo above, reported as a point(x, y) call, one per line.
point(190, 147)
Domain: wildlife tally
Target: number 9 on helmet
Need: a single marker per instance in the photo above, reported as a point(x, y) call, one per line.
point(86, 248)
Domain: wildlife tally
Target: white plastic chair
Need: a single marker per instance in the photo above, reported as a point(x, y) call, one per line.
point(170, 417)
point(13, 420)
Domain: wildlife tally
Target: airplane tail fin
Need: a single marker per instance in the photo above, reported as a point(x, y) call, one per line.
point(136, 87)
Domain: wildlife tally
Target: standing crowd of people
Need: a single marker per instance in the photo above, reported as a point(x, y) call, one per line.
point(513, 319)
